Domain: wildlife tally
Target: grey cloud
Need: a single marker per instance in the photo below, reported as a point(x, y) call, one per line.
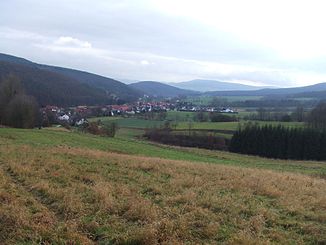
point(129, 26)
point(129, 39)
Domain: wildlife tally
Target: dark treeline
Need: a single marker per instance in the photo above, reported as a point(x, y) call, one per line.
point(213, 117)
point(276, 114)
point(279, 142)
point(274, 103)
point(266, 102)
point(191, 139)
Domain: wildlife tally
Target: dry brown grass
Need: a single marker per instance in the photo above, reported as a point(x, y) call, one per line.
point(92, 196)
point(25, 219)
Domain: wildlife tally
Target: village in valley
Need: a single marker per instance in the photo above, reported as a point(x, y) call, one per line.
point(77, 116)
point(158, 122)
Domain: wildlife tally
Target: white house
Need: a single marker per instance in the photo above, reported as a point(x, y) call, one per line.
point(64, 117)
point(227, 110)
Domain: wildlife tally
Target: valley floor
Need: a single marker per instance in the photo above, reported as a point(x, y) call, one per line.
point(65, 187)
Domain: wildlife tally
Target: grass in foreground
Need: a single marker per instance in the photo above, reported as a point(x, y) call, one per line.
point(60, 187)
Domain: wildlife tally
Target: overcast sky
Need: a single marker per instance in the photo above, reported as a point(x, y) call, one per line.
point(275, 42)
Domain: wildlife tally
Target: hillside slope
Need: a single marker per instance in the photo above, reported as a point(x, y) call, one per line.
point(51, 88)
point(75, 189)
point(113, 90)
point(157, 89)
point(277, 92)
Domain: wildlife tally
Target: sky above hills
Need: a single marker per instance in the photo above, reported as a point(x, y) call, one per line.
point(276, 43)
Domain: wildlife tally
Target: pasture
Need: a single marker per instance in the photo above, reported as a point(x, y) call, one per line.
point(67, 187)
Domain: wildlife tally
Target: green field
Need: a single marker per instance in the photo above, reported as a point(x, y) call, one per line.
point(183, 124)
point(133, 127)
point(124, 143)
point(180, 116)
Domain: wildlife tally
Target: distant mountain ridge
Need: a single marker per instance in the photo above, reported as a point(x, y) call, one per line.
point(212, 85)
point(295, 91)
point(85, 87)
point(68, 87)
point(158, 89)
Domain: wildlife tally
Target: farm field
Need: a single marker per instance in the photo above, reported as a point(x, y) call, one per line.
point(133, 127)
point(183, 124)
point(66, 187)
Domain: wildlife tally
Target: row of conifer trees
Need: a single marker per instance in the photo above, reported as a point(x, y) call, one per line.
point(305, 143)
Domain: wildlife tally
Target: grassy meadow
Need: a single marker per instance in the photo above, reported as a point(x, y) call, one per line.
point(64, 187)
point(184, 120)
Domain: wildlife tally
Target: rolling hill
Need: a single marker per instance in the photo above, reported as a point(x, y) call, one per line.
point(67, 87)
point(212, 85)
point(50, 81)
point(280, 92)
point(157, 89)
point(314, 94)
point(112, 88)
point(51, 88)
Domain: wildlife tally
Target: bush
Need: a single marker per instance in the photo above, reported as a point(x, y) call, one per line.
point(110, 129)
point(98, 128)
point(92, 128)
point(219, 117)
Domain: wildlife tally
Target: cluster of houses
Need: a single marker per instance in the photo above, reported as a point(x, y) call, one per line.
point(55, 115)
point(206, 109)
point(78, 115)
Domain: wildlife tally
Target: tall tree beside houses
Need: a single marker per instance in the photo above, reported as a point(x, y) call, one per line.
point(16, 108)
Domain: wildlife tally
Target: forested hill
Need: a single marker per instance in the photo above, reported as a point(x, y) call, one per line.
point(212, 85)
point(51, 88)
point(285, 92)
point(112, 88)
point(65, 87)
point(157, 89)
